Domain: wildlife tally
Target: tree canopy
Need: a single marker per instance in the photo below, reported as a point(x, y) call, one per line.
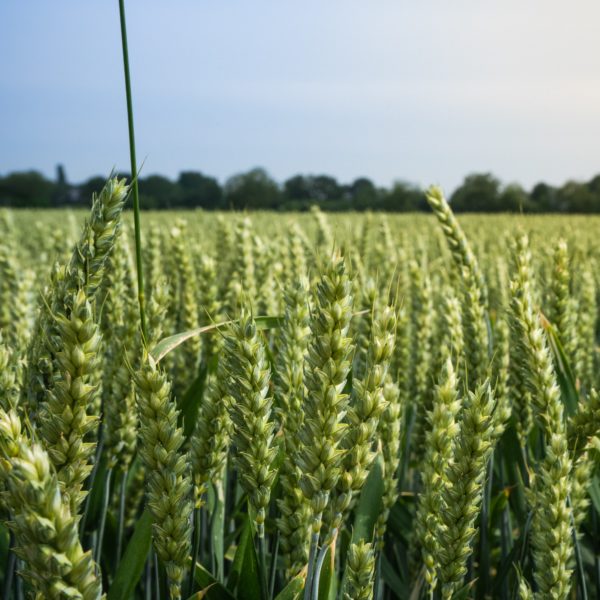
point(257, 190)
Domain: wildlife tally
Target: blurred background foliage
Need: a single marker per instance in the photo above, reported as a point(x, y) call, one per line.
point(257, 190)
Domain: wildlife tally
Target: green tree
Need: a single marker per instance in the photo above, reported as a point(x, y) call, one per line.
point(479, 192)
point(296, 188)
point(543, 198)
point(574, 197)
point(324, 188)
point(27, 189)
point(514, 198)
point(403, 197)
point(199, 190)
point(364, 195)
point(157, 191)
point(318, 189)
point(252, 190)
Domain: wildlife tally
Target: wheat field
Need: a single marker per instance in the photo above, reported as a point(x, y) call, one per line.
point(322, 405)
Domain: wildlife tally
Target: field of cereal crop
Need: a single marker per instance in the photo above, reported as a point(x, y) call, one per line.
point(355, 406)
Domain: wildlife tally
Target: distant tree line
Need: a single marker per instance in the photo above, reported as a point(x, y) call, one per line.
point(256, 190)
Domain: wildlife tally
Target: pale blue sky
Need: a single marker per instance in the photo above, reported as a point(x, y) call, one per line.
point(422, 91)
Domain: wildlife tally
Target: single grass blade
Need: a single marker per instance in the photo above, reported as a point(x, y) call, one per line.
point(465, 591)
point(169, 344)
point(95, 500)
point(325, 572)
point(393, 579)
point(293, 590)
point(564, 372)
point(190, 402)
point(594, 492)
point(217, 528)
point(244, 578)
point(131, 567)
point(212, 589)
point(370, 503)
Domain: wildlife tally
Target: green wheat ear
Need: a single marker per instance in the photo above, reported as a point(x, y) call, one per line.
point(65, 420)
point(462, 491)
point(169, 486)
point(367, 404)
point(327, 365)
point(320, 453)
point(121, 342)
point(186, 307)
point(45, 529)
point(251, 413)
point(85, 271)
point(472, 286)
point(439, 456)
point(389, 432)
point(210, 440)
point(552, 483)
point(361, 572)
point(291, 344)
point(464, 256)
point(562, 308)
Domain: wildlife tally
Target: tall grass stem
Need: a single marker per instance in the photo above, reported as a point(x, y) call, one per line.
point(134, 178)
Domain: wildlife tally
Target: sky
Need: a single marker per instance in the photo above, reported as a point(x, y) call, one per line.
point(424, 92)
